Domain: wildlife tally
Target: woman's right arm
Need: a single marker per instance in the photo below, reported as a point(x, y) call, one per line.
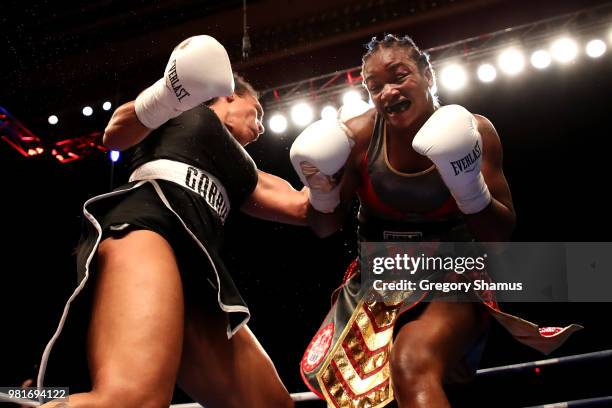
point(124, 130)
point(325, 224)
point(199, 69)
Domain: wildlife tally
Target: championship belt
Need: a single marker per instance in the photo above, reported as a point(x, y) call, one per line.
point(347, 362)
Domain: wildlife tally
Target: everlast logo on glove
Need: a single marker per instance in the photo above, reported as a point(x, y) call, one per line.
point(462, 165)
point(178, 89)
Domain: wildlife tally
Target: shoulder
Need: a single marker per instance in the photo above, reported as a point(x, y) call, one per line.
point(362, 127)
point(491, 143)
point(199, 116)
point(486, 129)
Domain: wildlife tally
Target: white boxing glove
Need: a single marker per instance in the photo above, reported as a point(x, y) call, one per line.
point(317, 154)
point(450, 139)
point(199, 69)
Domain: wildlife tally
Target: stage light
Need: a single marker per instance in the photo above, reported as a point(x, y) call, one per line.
point(564, 50)
point(36, 151)
point(53, 120)
point(351, 97)
point(353, 109)
point(487, 73)
point(453, 77)
point(107, 105)
point(277, 123)
point(87, 111)
point(114, 155)
point(511, 61)
point(595, 48)
point(302, 114)
point(541, 59)
point(329, 113)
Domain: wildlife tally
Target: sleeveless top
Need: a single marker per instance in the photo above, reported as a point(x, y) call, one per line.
point(199, 138)
point(403, 206)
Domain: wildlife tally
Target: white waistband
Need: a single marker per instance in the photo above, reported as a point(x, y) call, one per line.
point(197, 180)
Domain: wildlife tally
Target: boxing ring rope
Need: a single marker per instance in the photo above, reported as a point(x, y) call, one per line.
point(485, 372)
point(308, 396)
point(297, 396)
point(596, 355)
point(589, 402)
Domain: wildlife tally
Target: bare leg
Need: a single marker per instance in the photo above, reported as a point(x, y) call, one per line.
point(218, 372)
point(136, 332)
point(427, 348)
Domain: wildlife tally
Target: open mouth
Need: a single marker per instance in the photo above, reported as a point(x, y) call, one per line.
point(398, 107)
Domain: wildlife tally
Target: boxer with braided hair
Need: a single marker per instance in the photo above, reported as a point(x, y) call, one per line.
point(422, 172)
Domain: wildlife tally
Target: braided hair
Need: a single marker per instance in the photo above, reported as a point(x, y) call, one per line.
point(421, 58)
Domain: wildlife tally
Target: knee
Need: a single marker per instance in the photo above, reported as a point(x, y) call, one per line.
point(412, 364)
point(134, 396)
point(282, 401)
point(274, 395)
point(275, 398)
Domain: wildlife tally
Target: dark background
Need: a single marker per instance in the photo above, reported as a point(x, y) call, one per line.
point(554, 126)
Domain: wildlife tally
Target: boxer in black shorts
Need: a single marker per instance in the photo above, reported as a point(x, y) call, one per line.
point(165, 310)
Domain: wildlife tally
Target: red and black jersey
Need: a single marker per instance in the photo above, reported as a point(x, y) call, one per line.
point(394, 204)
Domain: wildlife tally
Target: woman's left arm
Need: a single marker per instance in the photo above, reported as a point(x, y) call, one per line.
point(496, 222)
point(274, 199)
